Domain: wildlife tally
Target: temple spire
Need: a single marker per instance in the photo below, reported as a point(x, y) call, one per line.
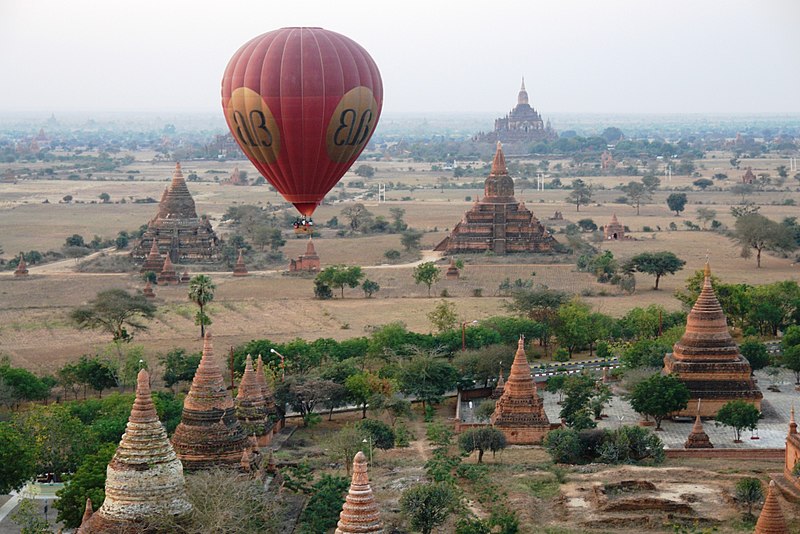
point(499, 161)
point(771, 520)
point(792, 423)
point(360, 514)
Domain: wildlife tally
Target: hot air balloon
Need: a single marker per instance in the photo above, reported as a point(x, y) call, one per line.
point(302, 103)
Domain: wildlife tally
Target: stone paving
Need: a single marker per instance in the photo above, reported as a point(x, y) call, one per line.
point(772, 427)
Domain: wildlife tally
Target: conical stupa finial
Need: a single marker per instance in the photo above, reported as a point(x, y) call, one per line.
point(771, 520)
point(87, 512)
point(360, 513)
point(523, 84)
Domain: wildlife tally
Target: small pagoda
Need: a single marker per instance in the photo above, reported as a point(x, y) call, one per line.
point(698, 439)
point(209, 435)
point(771, 520)
point(240, 269)
point(498, 223)
point(176, 229)
point(144, 478)
point(790, 481)
point(708, 361)
point(613, 231)
point(154, 262)
point(168, 276)
point(251, 406)
point(148, 292)
point(273, 421)
point(748, 177)
point(22, 267)
point(235, 178)
point(360, 513)
point(519, 412)
point(306, 262)
point(452, 271)
point(497, 392)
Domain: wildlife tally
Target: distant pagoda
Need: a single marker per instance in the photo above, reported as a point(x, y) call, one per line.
point(144, 478)
point(176, 229)
point(519, 412)
point(240, 269)
point(523, 124)
point(306, 262)
point(698, 439)
point(209, 435)
point(498, 223)
point(22, 267)
point(613, 230)
point(708, 361)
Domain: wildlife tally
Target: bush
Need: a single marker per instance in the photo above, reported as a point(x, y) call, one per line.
point(324, 505)
point(383, 437)
point(563, 445)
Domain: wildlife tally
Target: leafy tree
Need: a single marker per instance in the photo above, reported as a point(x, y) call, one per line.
point(581, 194)
point(790, 344)
point(179, 366)
point(28, 517)
point(631, 445)
point(16, 459)
point(361, 387)
point(482, 439)
point(114, 311)
point(756, 232)
point(738, 415)
point(24, 385)
point(428, 505)
point(573, 327)
point(380, 434)
point(88, 481)
point(95, 373)
point(322, 511)
point(75, 240)
point(410, 239)
point(651, 182)
point(705, 215)
point(303, 394)
point(365, 171)
point(358, 216)
point(346, 443)
point(563, 445)
point(370, 287)
point(578, 391)
point(637, 193)
point(755, 352)
point(426, 273)
point(121, 241)
point(427, 378)
point(540, 305)
point(201, 292)
point(703, 183)
point(340, 276)
point(587, 225)
point(659, 396)
point(485, 410)
point(443, 317)
point(677, 202)
point(105, 197)
point(749, 491)
point(322, 291)
point(657, 264)
point(397, 213)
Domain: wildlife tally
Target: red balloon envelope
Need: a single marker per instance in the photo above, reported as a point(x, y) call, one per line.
point(302, 103)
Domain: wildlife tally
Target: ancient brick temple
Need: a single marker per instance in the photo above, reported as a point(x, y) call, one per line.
point(145, 478)
point(497, 392)
point(235, 178)
point(209, 435)
point(272, 411)
point(707, 359)
point(523, 124)
point(771, 520)
point(498, 223)
point(154, 261)
point(360, 513)
point(168, 276)
point(790, 482)
point(452, 271)
point(176, 228)
point(698, 439)
point(148, 291)
point(240, 269)
point(251, 406)
point(613, 230)
point(519, 412)
point(306, 262)
point(22, 267)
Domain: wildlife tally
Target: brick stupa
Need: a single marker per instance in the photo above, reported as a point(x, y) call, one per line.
point(240, 269)
point(209, 435)
point(519, 412)
point(269, 398)
point(790, 482)
point(251, 406)
point(360, 513)
point(452, 271)
point(177, 229)
point(613, 230)
point(148, 291)
point(698, 439)
point(154, 262)
point(497, 392)
point(22, 267)
point(306, 262)
point(498, 223)
point(144, 478)
point(168, 276)
point(708, 361)
point(771, 519)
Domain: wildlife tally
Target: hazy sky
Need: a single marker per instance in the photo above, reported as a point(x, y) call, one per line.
point(604, 56)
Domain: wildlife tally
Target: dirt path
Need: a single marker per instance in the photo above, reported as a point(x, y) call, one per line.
point(421, 444)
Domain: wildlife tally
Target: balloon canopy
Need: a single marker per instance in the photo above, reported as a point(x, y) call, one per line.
point(302, 103)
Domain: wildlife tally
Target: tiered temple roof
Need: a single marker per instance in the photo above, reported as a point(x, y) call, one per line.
point(519, 412)
point(522, 124)
point(22, 267)
point(144, 478)
point(209, 435)
point(498, 223)
point(176, 228)
point(360, 513)
point(698, 439)
point(251, 407)
point(771, 520)
point(240, 269)
point(707, 360)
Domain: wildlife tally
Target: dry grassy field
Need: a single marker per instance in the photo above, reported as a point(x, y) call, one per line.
point(35, 332)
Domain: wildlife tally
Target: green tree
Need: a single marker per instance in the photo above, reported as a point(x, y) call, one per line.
point(705, 215)
point(426, 273)
point(16, 459)
point(573, 327)
point(75, 240)
point(578, 391)
point(581, 194)
point(750, 492)
point(340, 276)
point(427, 378)
point(358, 215)
point(360, 389)
point(104, 197)
point(703, 183)
point(755, 352)
point(739, 415)
point(756, 232)
point(378, 433)
point(677, 202)
point(482, 439)
point(659, 396)
point(370, 287)
point(657, 264)
point(443, 317)
point(563, 445)
point(114, 311)
point(651, 182)
point(631, 445)
point(790, 344)
point(541, 306)
point(322, 510)
point(365, 171)
point(637, 194)
point(428, 505)
point(28, 517)
point(397, 213)
point(178, 366)
point(201, 292)
point(346, 443)
point(410, 239)
point(88, 481)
